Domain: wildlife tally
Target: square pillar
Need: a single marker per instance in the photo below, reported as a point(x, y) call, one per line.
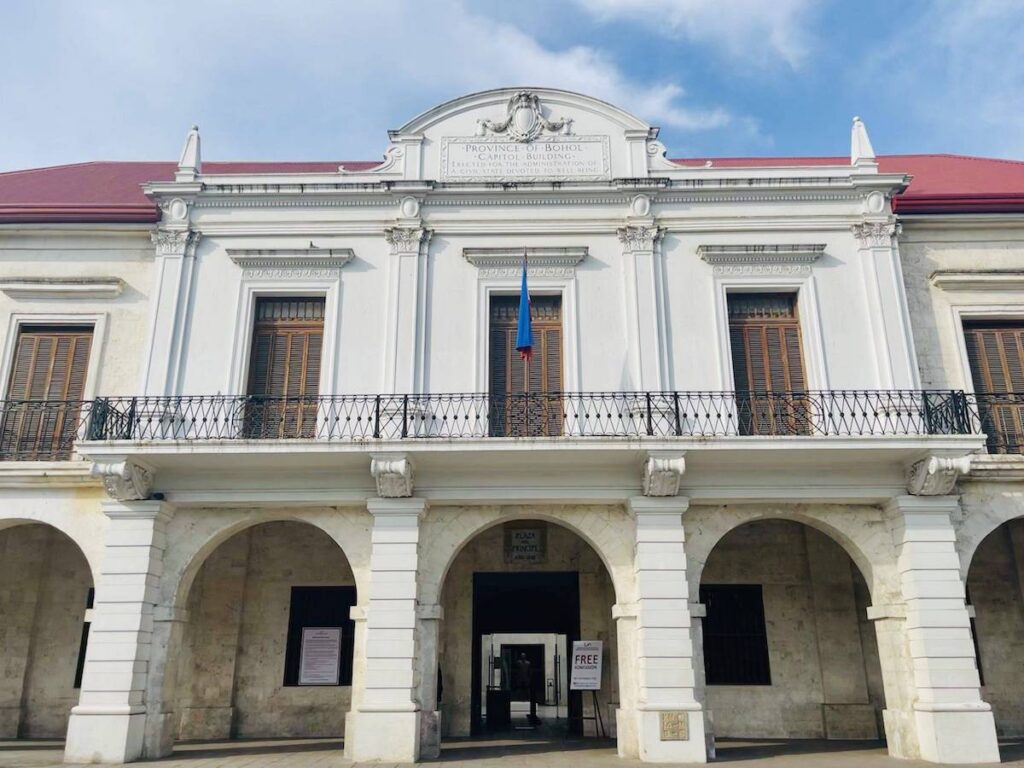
point(108, 725)
point(384, 723)
point(669, 717)
point(952, 722)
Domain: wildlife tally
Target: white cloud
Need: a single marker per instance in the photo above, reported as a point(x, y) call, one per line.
point(267, 79)
point(957, 72)
point(748, 30)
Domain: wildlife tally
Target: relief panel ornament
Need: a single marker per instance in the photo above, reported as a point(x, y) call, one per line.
point(523, 121)
point(124, 480)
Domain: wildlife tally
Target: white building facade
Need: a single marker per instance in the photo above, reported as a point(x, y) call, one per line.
point(272, 466)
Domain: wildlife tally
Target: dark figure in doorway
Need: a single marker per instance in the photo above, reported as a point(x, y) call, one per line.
point(525, 683)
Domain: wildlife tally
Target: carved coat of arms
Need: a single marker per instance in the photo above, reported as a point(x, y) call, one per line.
point(524, 120)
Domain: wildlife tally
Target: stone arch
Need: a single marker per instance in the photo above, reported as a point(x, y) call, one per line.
point(447, 531)
point(194, 535)
point(812, 669)
point(198, 533)
point(981, 517)
point(46, 582)
point(862, 532)
point(91, 547)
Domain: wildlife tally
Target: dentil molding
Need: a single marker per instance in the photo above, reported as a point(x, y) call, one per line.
point(124, 480)
point(544, 262)
point(782, 259)
point(290, 263)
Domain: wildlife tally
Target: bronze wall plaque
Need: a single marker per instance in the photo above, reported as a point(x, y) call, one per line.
point(675, 726)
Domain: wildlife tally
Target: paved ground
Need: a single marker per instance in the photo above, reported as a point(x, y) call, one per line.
point(512, 753)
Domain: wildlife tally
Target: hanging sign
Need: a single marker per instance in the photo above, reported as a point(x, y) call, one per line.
point(320, 657)
point(586, 665)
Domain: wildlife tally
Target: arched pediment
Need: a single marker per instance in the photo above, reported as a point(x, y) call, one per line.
point(520, 135)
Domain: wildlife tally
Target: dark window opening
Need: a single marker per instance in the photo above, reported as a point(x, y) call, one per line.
point(320, 607)
point(735, 636)
point(83, 642)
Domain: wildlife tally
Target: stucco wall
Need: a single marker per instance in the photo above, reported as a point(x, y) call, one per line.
point(44, 584)
point(819, 649)
point(231, 679)
point(996, 586)
point(565, 552)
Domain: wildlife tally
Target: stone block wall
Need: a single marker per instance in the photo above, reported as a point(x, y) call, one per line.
point(231, 671)
point(44, 585)
point(820, 644)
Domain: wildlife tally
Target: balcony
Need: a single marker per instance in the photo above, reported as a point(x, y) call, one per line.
point(560, 447)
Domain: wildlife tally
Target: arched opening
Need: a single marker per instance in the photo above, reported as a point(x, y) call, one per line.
point(267, 651)
point(995, 592)
point(516, 598)
point(789, 652)
point(46, 596)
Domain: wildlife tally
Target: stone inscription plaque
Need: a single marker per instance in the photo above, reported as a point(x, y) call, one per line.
point(549, 158)
point(675, 726)
point(526, 545)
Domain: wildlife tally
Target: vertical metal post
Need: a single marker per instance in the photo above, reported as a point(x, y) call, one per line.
point(926, 411)
point(405, 415)
point(376, 416)
point(679, 421)
point(650, 415)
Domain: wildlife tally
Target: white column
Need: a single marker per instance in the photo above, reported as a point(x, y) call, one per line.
point(670, 720)
point(626, 741)
point(953, 724)
point(384, 723)
point(642, 284)
point(428, 634)
point(108, 725)
point(405, 317)
point(887, 304)
point(172, 289)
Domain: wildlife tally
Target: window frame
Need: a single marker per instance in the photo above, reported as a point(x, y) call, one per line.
point(96, 320)
point(767, 681)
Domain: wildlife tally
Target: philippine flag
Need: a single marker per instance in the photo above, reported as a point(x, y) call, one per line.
point(524, 331)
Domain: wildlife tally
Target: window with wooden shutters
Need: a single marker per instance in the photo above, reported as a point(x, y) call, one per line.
point(47, 383)
point(526, 396)
point(995, 352)
point(284, 367)
point(767, 363)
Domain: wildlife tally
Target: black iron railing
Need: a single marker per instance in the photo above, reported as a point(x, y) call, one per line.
point(40, 430)
point(563, 414)
point(49, 429)
point(1001, 417)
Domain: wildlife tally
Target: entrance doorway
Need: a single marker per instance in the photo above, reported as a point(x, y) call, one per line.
point(515, 599)
point(524, 622)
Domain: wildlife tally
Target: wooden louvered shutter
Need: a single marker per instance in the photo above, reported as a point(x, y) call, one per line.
point(47, 382)
point(284, 368)
point(526, 398)
point(995, 353)
point(764, 336)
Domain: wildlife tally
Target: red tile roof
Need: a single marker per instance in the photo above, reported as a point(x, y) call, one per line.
point(110, 192)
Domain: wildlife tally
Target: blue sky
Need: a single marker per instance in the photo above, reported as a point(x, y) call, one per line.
point(313, 79)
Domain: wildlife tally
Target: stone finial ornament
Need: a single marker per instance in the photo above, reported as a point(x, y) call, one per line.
point(190, 164)
point(861, 151)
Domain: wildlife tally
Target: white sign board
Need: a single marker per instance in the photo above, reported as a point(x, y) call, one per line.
point(320, 658)
point(586, 665)
point(552, 158)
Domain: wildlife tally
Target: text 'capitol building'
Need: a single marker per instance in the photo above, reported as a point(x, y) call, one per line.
point(271, 463)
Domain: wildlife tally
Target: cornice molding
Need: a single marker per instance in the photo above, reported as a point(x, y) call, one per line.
point(773, 259)
point(541, 261)
point(291, 263)
point(978, 279)
point(62, 287)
